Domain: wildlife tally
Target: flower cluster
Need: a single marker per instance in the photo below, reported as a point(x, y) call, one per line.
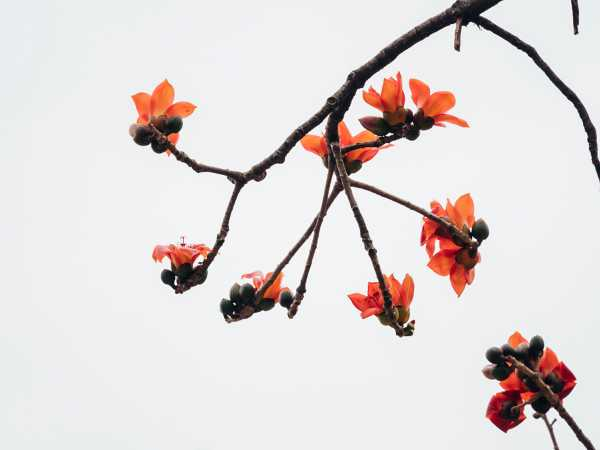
point(243, 301)
point(159, 111)
point(506, 409)
point(182, 257)
point(353, 160)
point(431, 109)
point(372, 304)
point(456, 256)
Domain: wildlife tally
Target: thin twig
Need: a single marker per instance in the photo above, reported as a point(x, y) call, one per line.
point(379, 142)
point(550, 427)
point(301, 289)
point(284, 262)
point(199, 274)
point(575, 10)
point(554, 400)
point(459, 235)
point(562, 87)
point(457, 33)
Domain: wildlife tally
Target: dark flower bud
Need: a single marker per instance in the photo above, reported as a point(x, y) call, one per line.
point(227, 307)
point(480, 230)
point(541, 405)
point(203, 276)
point(234, 293)
point(536, 347)
point(426, 123)
point(266, 304)
point(501, 372)
point(494, 355)
point(412, 133)
point(488, 370)
point(507, 350)
point(418, 117)
point(353, 165)
point(375, 125)
point(159, 122)
point(173, 125)
point(168, 277)
point(247, 293)
point(286, 299)
point(184, 271)
point(141, 134)
point(159, 147)
point(522, 352)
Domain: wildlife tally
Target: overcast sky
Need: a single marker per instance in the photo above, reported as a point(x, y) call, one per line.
point(98, 354)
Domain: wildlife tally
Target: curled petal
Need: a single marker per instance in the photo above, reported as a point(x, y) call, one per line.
point(513, 383)
point(454, 215)
point(395, 289)
point(419, 91)
point(181, 109)
point(159, 252)
point(430, 247)
point(439, 103)
point(439, 120)
point(495, 410)
point(563, 372)
point(359, 301)
point(162, 98)
point(364, 136)
point(373, 99)
point(363, 154)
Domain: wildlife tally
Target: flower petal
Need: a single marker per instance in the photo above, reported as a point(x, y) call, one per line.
point(344, 133)
point(162, 98)
point(181, 109)
point(465, 207)
point(371, 312)
point(272, 291)
point(516, 339)
point(408, 291)
point(315, 144)
point(419, 91)
point(442, 262)
point(458, 278)
point(373, 99)
point(142, 105)
point(389, 95)
point(439, 103)
point(359, 301)
point(548, 361)
point(440, 118)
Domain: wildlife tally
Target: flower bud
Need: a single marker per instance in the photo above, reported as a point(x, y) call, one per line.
point(488, 371)
point(427, 123)
point(494, 355)
point(173, 125)
point(507, 350)
point(234, 293)
point(522, 352)
point(286, 299)
point(480, 230)
point(541, 405)
point(168, 277)
point(501, 372)
point(141, 134)
point(353, 165)
point(536, 347)
point(227, 307)
point(159, 122)
point(266, 304)
point(402, 313)
point(184, 271)
point(247, 293)
point(159, 147)
point(375, 125)
point(412, 133)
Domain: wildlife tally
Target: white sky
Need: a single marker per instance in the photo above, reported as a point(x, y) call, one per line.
point(98, 354)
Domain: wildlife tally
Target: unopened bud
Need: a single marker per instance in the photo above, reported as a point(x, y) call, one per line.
point(412, 133)
point(173, 125)
point(488, 371)
point(353, 165)
point(141, 134)
point(480, 230)
point(375, 125)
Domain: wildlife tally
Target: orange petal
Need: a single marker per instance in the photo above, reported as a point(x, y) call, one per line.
point(408, 291)
point(272, 291)
point(364, 136)
point(420, 92)
point(458, 279)
point(344, 133)
point(395, 289)
point(548, 362)
point(373, 99)
point(465, 207)
point(363, 154)
point(454, 215)
point(371, 312)
point(389, 95)
point(181, 109)
point(439, 103)
point(429, 228)
point(373, 289)
point(401, 97)
point(516, 339)
point(430, 247)
point(173, 138)
point(159, 252)
point(142, 105)
point(470, 275)
point(513, 383)
point(162, 98)
point(442, 262)
point(439, 118)
point(447, 244)
point(359, 301)
point(315, 144)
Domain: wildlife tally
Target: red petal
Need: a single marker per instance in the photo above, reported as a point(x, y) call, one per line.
point(548, 361)
point(389, 95)
point(442, 262)
point(373, 99)
point(142, 105)
point(315, 144)
point(465, 207)
point(439, 120)
point(458, 279)
point(439, 103)
point(359, 301)
point(420, 92)
point(408, 291)
point(345, 136)
point(516, 339)
point(181, 109)
point(162, 98)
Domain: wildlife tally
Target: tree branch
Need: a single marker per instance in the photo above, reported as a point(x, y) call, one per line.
point(553, 399)
point(575, 11)
point(379, 142)
point(550, 427)
point(562, 87)
point(301, 289)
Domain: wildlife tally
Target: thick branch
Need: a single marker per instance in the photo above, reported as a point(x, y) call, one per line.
point(553, 399)
point(562, 87)
point(199, 274)
point(301, 289)
point(464, 239)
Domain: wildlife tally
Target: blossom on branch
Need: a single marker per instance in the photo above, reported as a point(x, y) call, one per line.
point(433, 107)
point(182, 257)
point(390, 101)
point(505, 410)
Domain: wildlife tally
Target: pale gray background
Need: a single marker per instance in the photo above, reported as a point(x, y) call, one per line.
point(98, 354)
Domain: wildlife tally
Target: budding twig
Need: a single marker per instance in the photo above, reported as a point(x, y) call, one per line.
point(379, 142)
point(562, 87)
point(554, 400)
point(550, 427)
point(575, 11)
point(457, 33)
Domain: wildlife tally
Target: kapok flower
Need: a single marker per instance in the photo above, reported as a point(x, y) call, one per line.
point(274, 291)
point(390, 102)
point(505, 410)
point(451, 259)
point(180, 254)
point(151, 107)
point(318, 145)
point(554, 372)
point(373, 303)
point(433, 107)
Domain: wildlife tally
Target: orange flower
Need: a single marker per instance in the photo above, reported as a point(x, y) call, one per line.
point(373, 304)
point(451, 259)
point(554, 372)
point(434, 105)
point(504, 410)
point(180, 253)
point(274, 291)
point(160, 103)
point(318, 144)
point(392, 96)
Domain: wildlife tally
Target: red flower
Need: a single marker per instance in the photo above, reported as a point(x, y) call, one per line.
point(274, 291)
point(160, 103)
point(180, 253)
point(372, 303)
point(318, 144)
point(554, 372)
point(434, 105)
point(502, 412)
point(451, 259)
